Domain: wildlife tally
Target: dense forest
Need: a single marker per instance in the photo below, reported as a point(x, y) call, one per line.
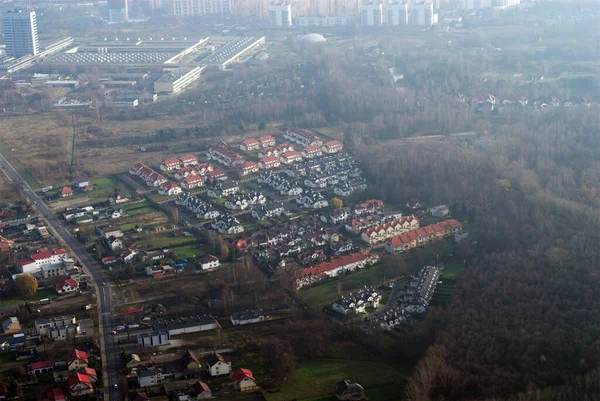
point(525, 312)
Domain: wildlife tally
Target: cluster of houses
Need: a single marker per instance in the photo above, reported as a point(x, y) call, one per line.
point(312, 200)
point(335, 267)
point(182, 375)
point(57, 328)
point(279, 182)
point(490, 102)
point(151, 177)
point(422, 236)
point(272, 209)
point(388, 229)
point(203, 210)
point(227, 224)
point(357, 302)
point(12, 336)
point(73, 375)
point(179, 163)
point(81, 183)
point(243, 201)
point(223, 189)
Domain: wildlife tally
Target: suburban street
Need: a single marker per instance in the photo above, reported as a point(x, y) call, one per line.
point(108, 345)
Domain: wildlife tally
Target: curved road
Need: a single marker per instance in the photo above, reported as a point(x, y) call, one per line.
point(109, 347)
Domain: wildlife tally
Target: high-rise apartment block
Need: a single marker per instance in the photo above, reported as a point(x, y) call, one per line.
point(396, 13)
point(371, 14)
point(20, 33)
point(118, 11)
point(423, 14)
point(186, 8)
point(281, 14)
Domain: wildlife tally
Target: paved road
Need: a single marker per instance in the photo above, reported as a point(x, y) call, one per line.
point(110, 350)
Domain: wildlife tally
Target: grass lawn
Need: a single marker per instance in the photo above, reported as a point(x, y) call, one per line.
point(315, 379)
point(137, 209)
point(188, 251)
point(18, 300)
point(452, 270)
point(326, 292)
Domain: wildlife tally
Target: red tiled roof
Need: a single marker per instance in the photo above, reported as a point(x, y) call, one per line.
point(79, 378)
point(241, 374)
point(250, 165)
point(70, 282)
point(303, 133)
point(334, 264)
point(270, 160)
point(429, 230)
point(76, 354)
point(333, 143)
point(412, 235)
point(188, 158)
point(192, 179)
point(454, 223)
point(421, 232)
point(312, 149)
point(109, 259)
point(266, 138)
point(66, 190)
point(445, 225)
point(40, 365)
point(168, 162)
point(39, 255)
point(437, 227)
point(291, 154)
point(251, 141)
point(89, 372)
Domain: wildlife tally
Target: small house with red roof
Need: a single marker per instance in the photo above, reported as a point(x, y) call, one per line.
point(40, 367)
point(290, 157)
point(67, 286)
point(79, 384)
point(332, 146)
point(243, 380)
point(248, 168)
point(188, 160)
point(250, 144)
point(65, 191)
point(267, 141)
point(269, 162)
point(77, 359)
point(311, 152)
point(170, 188)
point(169, 164)
point(303, 137)
point(193, 181)
point(109, 260)
point(91, 373)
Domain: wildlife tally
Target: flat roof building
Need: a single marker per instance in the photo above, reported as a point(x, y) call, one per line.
point(232, 51)
point(177, 80)
point(20, 33)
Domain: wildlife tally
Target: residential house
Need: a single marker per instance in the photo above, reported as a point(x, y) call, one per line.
point(40, 367)
point(200, 391)
point(109, 260)
point(290, 157)
point(456, 226)
point(335, 267)
point(154, 339)
point(369, 207)
point(312, 151)
point(247, 317)
point(339, 248)
point(267, 141)
point(149, 377)
point(227, 224)
point(109, 231)
point(115, 244)
point(43, 327)
point(151, 177)
point(191, 182)
point(250, 144)
point(76, 360)
point(217, 366)
point(332, 146)
point(191, 360)
point(216, 175)
point(11, 326)
point(67, 286)
point(349, 391)
point(303, 137)
point(170, 188)
point(224, 189)
point(312, 200)
point(389, 229)
point(248, 168)
point(243, 380)
point(128, 255)
point(267, 211)
point(170, 164)
point(188, 160)
point(224, 155)
point(339, 215)
point(65, 191)
point(81, 182)
point(209, 263)
point(90, 373)
point(357, 302)
point(269, 162)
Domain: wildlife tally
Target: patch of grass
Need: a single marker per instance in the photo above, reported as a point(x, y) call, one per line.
point(188, 251)
point(140, 208)
point(452, 270)
point(18, 299)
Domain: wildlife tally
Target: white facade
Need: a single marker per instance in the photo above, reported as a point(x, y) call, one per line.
point(176, 81)
point(371, 14)
point(281, 14)
point(396, 14)
point(423, 14)
point(20, 33)
point(185, 8)
point(322, 21)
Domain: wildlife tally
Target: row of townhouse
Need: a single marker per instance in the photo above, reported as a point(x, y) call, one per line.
point(347, 188)
point(357, 302)
point(389, 229)
point(223, 189)
point(57, 328)
point(264, 141)
point(224, 155)
point(312, 200)
point(335, 267)
point(269, 210)
point(421, 236)
point(288, 158)
point(151, 177)
point(276, 151)
point(280, 183)
point(363, 222)
point(178, 162)
point(276, 235)
point(245, 200)
point(367, 208)
point(202, 210)
point(227, 224)
point(248, 168)
point(201, 169)
point(170, 188)
point(302, 137)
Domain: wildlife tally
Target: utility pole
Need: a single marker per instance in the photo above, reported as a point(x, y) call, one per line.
point(74, 122)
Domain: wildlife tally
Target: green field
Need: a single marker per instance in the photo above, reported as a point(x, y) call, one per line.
point(18, 300)
point(452, 270)
point(188, 251)
point(315, 379)
point(103, 187)
point(327, 291)
point(136, 209)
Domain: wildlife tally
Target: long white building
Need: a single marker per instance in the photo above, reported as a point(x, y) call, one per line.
point(185, 8)
point(20, 33)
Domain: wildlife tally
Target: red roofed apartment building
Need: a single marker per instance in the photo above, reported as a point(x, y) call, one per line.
point(248, 168)
point(178, 163)
point(303, 137)
point(335, 267)
point(40, 367)
point(269, 162)
point(40, 259)
point(291, 157)
point(421, 236)
point(390, 229)
point(311, 152)
point(267, 141)
point(152, 178)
